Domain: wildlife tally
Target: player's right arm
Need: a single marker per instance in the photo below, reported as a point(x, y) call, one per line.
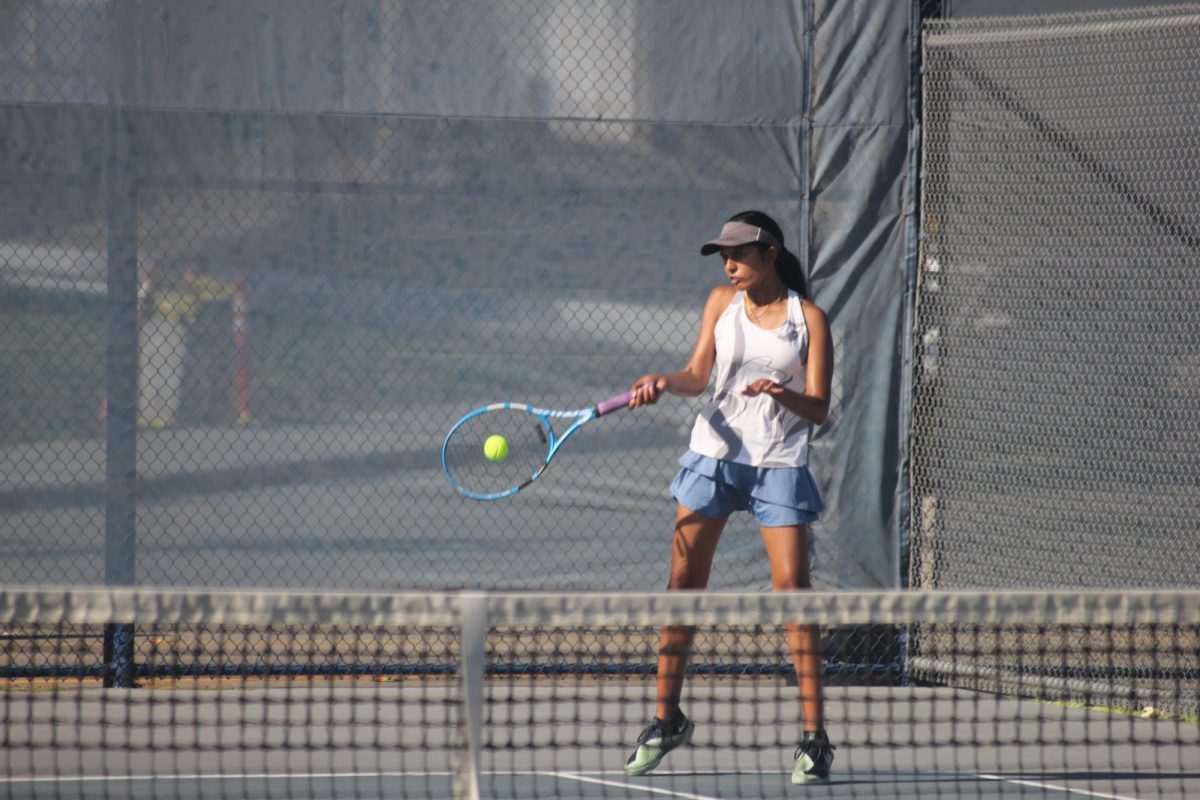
point(693, 378)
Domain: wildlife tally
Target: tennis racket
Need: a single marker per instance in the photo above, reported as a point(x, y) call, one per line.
point(532, 443)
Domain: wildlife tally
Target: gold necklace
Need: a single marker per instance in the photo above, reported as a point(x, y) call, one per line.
point(757, 309)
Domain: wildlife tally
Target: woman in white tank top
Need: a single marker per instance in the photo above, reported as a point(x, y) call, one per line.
point(773, 357)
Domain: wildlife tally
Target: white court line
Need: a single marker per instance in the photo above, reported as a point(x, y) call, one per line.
point(625, 785)
point(1057, 788)
point(582, 778)
point(7, 779)
point(229, 776)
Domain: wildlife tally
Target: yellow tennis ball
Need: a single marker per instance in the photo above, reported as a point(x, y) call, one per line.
point(496, 448)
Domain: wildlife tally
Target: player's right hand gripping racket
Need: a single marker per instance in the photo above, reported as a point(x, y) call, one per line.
point(532, 443)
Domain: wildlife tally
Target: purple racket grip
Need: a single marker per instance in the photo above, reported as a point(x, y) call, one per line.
point(613, 403)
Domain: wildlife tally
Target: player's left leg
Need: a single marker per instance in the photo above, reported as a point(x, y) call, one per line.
point(787, 549)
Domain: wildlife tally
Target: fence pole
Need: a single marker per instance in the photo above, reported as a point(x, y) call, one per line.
point(121, 388)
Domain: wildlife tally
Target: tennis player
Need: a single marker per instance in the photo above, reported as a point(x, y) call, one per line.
point(748, 452)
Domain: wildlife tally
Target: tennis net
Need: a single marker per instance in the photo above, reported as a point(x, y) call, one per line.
point(316, 695)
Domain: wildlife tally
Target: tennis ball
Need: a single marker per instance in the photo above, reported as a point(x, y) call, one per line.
point(496, 448)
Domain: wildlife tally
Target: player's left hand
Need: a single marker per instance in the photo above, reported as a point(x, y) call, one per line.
point(763, 386)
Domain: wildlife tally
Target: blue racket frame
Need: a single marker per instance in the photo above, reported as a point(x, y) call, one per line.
point(582, 416)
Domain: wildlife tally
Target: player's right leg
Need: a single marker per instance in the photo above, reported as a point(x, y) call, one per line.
point(660, 737)
point(814, 757)
point(692, 550)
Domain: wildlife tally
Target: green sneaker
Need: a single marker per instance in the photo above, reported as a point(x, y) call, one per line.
point(814, 757)
point(659, 738)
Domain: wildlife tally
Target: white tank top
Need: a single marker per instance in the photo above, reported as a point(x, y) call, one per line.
point(755, 430)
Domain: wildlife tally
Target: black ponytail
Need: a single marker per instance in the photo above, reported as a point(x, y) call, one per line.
point(786, 263)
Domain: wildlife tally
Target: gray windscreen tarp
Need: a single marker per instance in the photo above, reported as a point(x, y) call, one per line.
point(400, 211)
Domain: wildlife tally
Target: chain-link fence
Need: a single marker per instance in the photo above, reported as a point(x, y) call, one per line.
point(1055, 439)
point(257, 259)
point(1055, 413)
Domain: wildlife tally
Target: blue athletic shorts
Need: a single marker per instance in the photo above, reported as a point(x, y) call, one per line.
point(776, 496)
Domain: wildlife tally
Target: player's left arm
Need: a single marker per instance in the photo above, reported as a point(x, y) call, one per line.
point(813, 402)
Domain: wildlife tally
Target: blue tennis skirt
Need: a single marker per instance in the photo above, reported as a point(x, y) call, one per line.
point(776, 496)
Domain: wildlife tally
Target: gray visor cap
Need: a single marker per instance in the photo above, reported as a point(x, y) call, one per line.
point(739, 233)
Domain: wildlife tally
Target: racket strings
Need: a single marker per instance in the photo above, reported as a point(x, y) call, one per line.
point(467, 463)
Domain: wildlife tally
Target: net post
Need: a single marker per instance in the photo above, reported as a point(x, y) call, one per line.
point(472, 669)
point(118, 656)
